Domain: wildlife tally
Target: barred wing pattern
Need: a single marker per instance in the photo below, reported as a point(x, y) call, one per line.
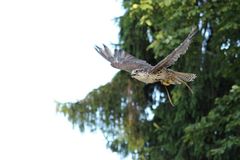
point(122, 60)
point(175, 54)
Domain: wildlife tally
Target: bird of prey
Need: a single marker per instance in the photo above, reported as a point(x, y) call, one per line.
point(144, 72)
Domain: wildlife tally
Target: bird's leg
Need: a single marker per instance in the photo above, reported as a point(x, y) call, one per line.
point(190, 89)
point(170, 100)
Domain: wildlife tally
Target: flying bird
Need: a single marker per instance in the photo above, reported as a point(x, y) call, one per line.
point(144, 72)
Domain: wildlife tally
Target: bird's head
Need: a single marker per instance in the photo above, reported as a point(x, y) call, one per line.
point(137, 73)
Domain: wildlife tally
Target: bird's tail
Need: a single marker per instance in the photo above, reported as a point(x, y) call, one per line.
point(186, 77)
point(181, 77)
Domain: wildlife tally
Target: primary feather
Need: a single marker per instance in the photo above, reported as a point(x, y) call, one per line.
point(176, 53)
point(122, 60)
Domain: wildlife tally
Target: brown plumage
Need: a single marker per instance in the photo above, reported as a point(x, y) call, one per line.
point(143, 71)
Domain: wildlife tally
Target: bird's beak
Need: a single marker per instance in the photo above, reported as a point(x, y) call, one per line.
point(133, 74)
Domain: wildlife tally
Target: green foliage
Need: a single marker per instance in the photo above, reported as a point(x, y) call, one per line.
point(204, 125)
point(114, 107)
point(218, 133)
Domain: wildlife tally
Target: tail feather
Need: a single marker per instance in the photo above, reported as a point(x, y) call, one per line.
point(186, 77)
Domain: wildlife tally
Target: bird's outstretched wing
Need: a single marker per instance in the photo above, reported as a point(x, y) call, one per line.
point(122, 60)
point(176, 53)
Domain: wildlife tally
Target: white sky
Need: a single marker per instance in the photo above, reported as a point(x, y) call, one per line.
point(46, 55)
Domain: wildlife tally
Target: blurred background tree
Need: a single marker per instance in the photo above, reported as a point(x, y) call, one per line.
point(137, 119)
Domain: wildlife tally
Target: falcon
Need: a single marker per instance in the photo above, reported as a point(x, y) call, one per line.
point(144, 72)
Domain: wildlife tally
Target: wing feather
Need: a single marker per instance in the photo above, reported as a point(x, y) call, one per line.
point(122, 60)
point(176, 53)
